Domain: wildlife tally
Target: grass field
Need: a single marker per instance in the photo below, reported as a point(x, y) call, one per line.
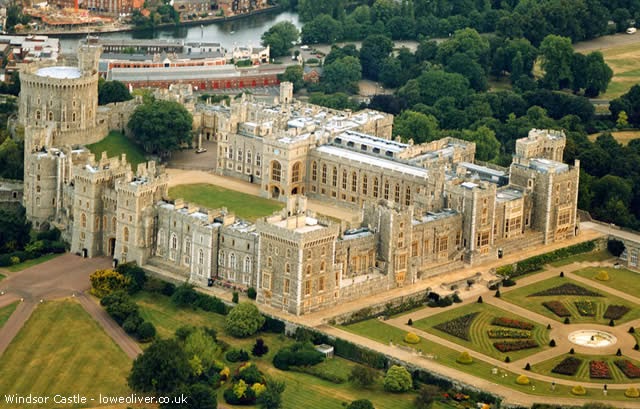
point(480, 341)
point(2, 277)
point(623, 137)
point(519, 296)
point(245, 206)
point(31, 263)
point(115, 144)
point(6, 311)
point(621, 279)
point(381, 332)
point(591, 256)
point(545, 368)
point(61, 349)
point(625, 63)
point(303, 390)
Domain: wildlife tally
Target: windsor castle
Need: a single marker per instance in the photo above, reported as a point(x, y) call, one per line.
point(425, 209)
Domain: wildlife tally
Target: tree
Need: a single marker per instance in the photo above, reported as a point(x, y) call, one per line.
point(259, 348)
point(293, 74)
point(198, 396)
point(623, 120)
point(280, 38)
point(342, 75)
point(161, 126)
point(15, 229)
point(416, 125)
point(427, 394)
point(112, 91)
point(391, 73)
point(12, 159)
point(556, 53)
point(160, 369)
point(201, 351)
point(487, 146)
point(397, 379)
point(471, 70)
point(363, 376)
point(468, 42)
point(243, 320)
point(361, 404)
point(146, 331)
point(322, 29)
point(597, 75)
point(104, 282)
point(135, 274)
point(272, 397)
point(373, 52)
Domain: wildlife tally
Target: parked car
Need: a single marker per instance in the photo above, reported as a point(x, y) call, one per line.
point(201, 150)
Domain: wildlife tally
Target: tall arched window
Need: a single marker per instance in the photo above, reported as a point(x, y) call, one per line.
point(221, 259)
point(232, 261)
point(334, 177)
point(239, 158)
point(73, 117)
point(375, 187)
point(96, 223)
point(354, 182)
point(200, 256)
point(365, 188)
point(173, 247)
point(287, 268)
point(386, 189)
point(247, 265)
point(323, 266)
point(50, 116)
point(258, 159)
point(324, 174)
point(249, 157)
point(269, 262)
point(83, 220)
point(407, 196)
point(125, 234)
point(314, 171)
point(114, 221)
point(344, 179)
point(276, 171)
point(397, 194)
point(174, 240)
point(308, 270)
point(295, 172)
point(187, 247)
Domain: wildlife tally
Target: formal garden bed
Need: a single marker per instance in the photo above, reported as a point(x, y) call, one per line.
point(630, 370)
point(458, 327)
point(586, 308)
point(557, 307)
point(566, 289)
point(615, 312)
point(599, 370)
point(569, 366)
point(590, 368)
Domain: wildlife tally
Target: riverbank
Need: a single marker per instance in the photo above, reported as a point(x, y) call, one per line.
point(123, 28)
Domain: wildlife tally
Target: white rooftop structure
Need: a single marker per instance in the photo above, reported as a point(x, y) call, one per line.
point(59, 72)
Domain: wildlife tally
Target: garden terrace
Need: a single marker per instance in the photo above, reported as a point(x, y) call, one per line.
point(588, 368)
point(620, 279)
point(483, 336)
point(530, 298)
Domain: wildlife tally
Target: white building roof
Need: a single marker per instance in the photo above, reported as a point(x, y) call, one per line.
point(59, 72)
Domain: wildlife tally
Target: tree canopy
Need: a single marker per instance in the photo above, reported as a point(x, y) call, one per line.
point(243, 320)
point(397, 379)
point(161, 126)
point(161, 368)
point(112, 91)
point(280, 38)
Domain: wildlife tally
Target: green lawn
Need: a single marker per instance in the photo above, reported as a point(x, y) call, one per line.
point(591, 256)
point(2, 277)
point(115, 144)
point(480, 341)
point(381, 332)
point(6, 311)
point(519, 296)
point(243, 205)
point(545, 368)
point(31, 263)
point(621, 279)
point(61, 349)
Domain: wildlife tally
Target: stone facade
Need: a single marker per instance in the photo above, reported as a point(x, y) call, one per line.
point(424, 209)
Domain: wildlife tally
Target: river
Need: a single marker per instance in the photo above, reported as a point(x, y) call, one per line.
point(243, 31)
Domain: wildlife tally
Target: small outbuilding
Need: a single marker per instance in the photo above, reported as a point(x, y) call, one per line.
point(327, 350)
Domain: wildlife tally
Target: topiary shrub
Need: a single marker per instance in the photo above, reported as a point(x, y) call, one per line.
point(464, 358)
point(632, 330)
point(527, 367)
point(397, 379)
point(508, 282)
point(480, 300)
point(411, 338)
point(259, 348)
point(567, 320)
point(602, 275)
point(579, 390)
point(562, 274)
point(632, 392)
point(522, 380)
point(251, 293)
point(235, 297)
point(410, 322)
point(612, 323)
point(497, 294)
point(619, 352)
point(507, 359)
point(548, 326)
point(572, 351)
point(552, 343)
point(636, 347)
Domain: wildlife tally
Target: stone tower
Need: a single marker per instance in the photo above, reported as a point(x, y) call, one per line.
point(286, 92)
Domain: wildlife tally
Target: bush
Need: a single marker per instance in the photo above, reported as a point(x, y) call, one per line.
point(410, 322)
point(244, 320)
point(131, 324)
point(527, 367)
point(360, 404)
point(507, 359)
point(567, 320)
point(497, 295)
point(480, 300)
point(552, 343)
point(579, 390)
point(259, 348)
point(411, 338)
point(572, 351)
point(235, 297)
point(237, 355)
point(251, 293)
point(184, 296)
point(273, 325)
point(632, 392)
point(397, 379)
point(615, 247)
point(464, 358)
point(632, 330)
point(612, 323)
point(522, 380)
point(602, 275)
point(249, 373)
point(146, 332)
point(137, 276)
point(105, 282)
point(508, 282)
point(363, 376)
point(298, 354)
point(247, 395)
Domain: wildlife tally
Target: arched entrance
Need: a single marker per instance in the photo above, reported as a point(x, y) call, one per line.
point(294, 191)
point(112, 246)
point(275, 192)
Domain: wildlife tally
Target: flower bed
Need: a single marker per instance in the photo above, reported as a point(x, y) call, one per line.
point(615, 312)
point(508, 333)
point(599, 370)
point(568, 366)
point(511, 323)
point(508, 346)
point(629, 369)
point(566, 289)
point(458, 327)
point(586, 308)
point(557, 308)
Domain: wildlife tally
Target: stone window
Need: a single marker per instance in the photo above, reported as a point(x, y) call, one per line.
point(307, 288)
point(564, 217)
point(295, 172)
point(125, 234)
point(285, 286)
point(249, 157)
point(407, 196)
point(50, 116)
point(308, 270)
point(344, 179)
point(269, 262)
point(321, 284)
point(364, 184)
point(276, 171)
point(314, 171)
point(288, 253)
point(230, 153)
point(414, 249)
point(397, 194)
point(334, 177)
point(324, 174)
point(258, 159)
point(239, 158)
point(221, 259)
point(83, 220)
point(173, 247)
point(38, 115)
point(287, 268)
point(354, 182)
point(96, 223)
point(187, 247)
point(386, 190)
point(266, 281)
point(232, 261)
point(114, 221)
point(483, 239)
point(323, 265)
point(247, 265)
point(442, 244)
point(375, 187)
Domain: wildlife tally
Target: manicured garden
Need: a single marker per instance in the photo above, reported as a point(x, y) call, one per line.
point(487, 329)
point(560, 298)
point(61, 349)
point(245, 206)
point(590, 368)
point(115, 144)
point(620, 279)
point(592, 256)
point(6, 311)
point(30, 263)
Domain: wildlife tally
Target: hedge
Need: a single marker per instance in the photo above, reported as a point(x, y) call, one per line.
point(40, 248)
point(537, 262)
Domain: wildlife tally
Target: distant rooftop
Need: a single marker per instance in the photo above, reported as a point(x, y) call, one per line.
point(373, 160)
point(548, 166)
point(59, 72)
